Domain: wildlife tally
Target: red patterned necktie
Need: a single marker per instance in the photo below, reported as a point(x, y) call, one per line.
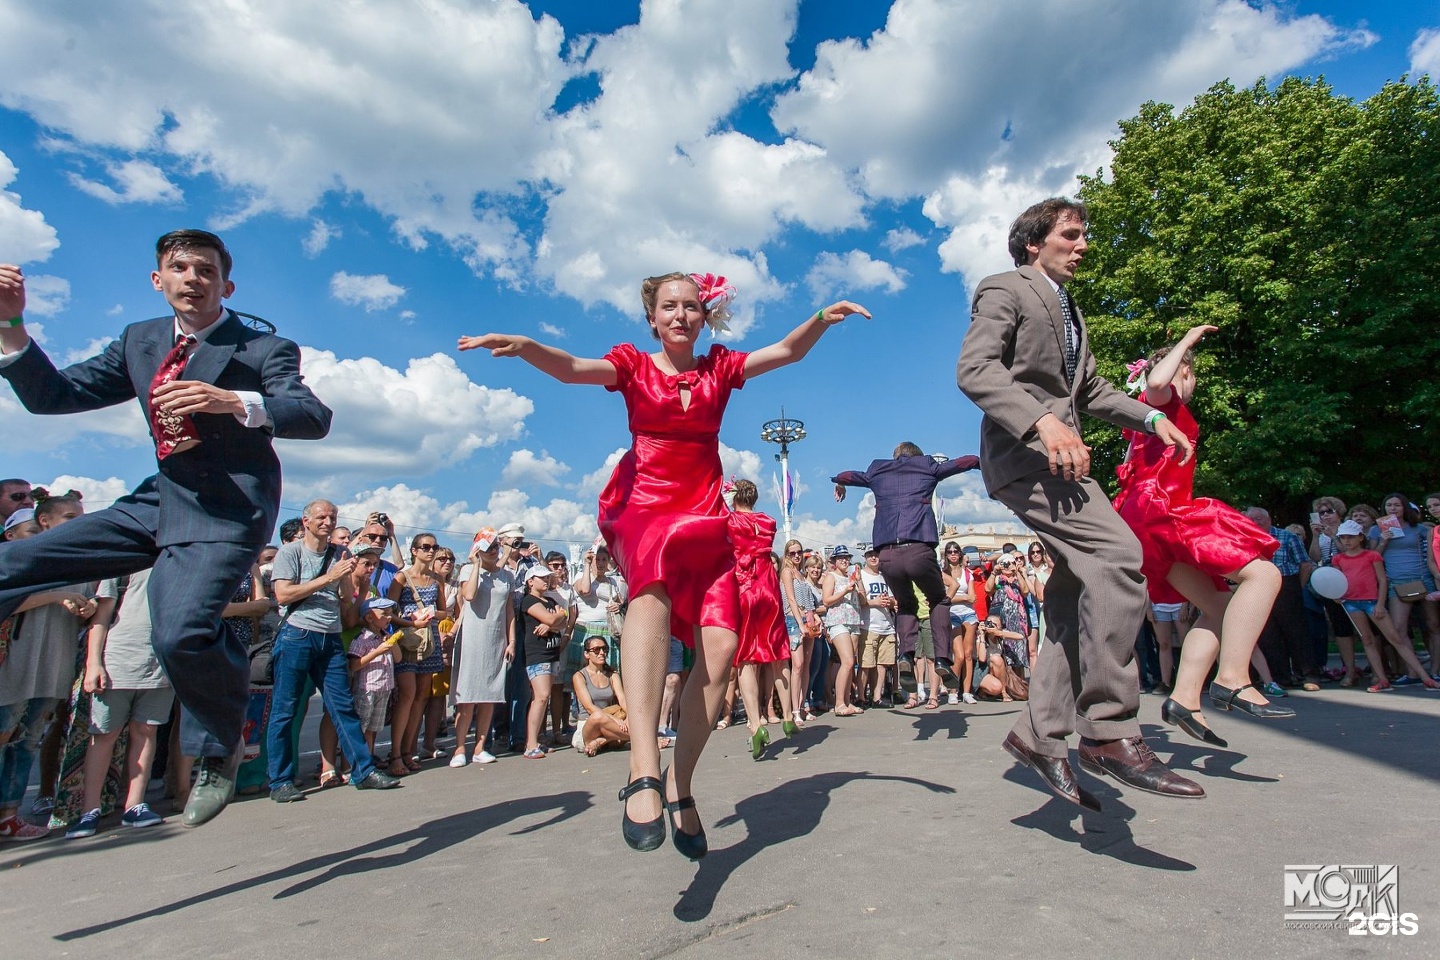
point(173, 433)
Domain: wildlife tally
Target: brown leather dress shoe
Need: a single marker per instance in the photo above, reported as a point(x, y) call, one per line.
point(1055, 771)
point(1133, 764)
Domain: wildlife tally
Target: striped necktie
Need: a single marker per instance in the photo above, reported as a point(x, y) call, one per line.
point(1072, 351)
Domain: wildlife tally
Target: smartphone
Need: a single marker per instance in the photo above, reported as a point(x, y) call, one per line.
point(1314, 519)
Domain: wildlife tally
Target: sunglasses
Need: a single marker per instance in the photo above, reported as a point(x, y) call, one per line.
point(602, 648)
point(557, 565)
point(953, 550)
point(1325, 510)
point(427, 547)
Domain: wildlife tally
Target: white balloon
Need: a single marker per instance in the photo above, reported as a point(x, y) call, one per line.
point(1328, 582)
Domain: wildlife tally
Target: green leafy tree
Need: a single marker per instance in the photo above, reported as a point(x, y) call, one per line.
point(1307, 228)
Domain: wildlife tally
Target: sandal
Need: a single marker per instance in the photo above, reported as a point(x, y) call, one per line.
point(851, 711)
point(651, 833)
point(912, 703)
point(396, 767)
point(932, 704)
point(724, 722)
point(412, 764)
point(691, 845)
point(535, 753)
point(329, 779)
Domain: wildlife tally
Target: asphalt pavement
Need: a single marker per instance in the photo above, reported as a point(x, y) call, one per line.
point(892, 834)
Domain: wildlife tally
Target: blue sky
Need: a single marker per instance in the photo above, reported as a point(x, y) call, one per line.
point(404, 173)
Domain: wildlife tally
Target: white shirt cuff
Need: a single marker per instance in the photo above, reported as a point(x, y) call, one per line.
point(8, 358)
point(255, 413)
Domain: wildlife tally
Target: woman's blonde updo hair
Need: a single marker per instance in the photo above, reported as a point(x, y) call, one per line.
point(746, 493)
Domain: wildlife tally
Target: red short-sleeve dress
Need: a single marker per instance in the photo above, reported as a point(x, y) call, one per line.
point(1174, 526)
point(762, 625)
point(662, 514)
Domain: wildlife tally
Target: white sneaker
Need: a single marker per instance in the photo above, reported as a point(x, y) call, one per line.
point(458, 760)
point(954, 699)
point(484, 756)
point(969, 697)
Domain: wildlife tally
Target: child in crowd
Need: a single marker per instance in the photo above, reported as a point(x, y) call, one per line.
point(372, 659)
point(129, 691)
point(1365, 582)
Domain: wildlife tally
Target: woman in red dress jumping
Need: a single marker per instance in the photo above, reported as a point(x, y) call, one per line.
point(1192, 545)
point(666, 524)
point(763, 655)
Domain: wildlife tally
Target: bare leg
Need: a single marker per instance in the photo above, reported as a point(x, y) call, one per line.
point(559, 710)
point(464, 719)
point(417, 711)
point(138, 758)
point(97, 761)
point(400, 720)
point(780, 670)
point(750, 696)
point(52, 748)
point(670, 694)
point(799, 670)
point(1241, 614)
point(1165, 643)
point(844, 677)
point(644, 653)
point(434, 720)
point(535, 719)
point(329, 745)
point(699, 703)
point(1401, 642)
point(1371, 645)
point(484, 713)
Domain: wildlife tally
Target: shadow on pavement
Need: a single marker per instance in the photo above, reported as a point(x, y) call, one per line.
point(788, 812)
point(931, 724)
point(404, 848)
point(1107, 834)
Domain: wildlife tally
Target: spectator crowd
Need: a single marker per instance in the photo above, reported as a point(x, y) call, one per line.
point(423, 654)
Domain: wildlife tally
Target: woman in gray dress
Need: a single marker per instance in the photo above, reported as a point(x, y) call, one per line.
point(484, 644)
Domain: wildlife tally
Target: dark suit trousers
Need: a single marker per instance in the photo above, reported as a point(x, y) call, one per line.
point(189, 588)
point(1285, 641)
point(1085, 677)
point(906, 566)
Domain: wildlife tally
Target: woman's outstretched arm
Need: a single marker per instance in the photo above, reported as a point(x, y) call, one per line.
point(552, 360)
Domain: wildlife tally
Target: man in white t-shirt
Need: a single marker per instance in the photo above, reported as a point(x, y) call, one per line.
point(877, 650)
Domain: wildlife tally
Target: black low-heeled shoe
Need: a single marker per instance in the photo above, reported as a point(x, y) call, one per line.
point(1224, 698)
point(1178, 716)
point(691, 845)
point(650, 834)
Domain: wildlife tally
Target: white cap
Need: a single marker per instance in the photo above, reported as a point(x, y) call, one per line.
point(1350, 529)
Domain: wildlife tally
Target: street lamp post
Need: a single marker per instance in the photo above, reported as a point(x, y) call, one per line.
point(784, 431)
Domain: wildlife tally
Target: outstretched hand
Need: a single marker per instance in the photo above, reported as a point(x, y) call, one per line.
point(840, 310)
point(839, 493)
point(1196, 333)
point(499, 344)
point(12, 291)
point(1173, 436)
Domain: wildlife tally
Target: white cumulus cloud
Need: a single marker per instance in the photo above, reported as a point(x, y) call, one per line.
point(45, 295)
point(834, 274)
point(97, 494)
point(527, 469)
point(901, 238)
point(136, 181)
point(373, 291)
point(25, 237)
point(1425, 52)
point(400, 422)
point(319, 237)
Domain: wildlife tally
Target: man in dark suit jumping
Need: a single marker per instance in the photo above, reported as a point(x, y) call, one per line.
point(215, 394)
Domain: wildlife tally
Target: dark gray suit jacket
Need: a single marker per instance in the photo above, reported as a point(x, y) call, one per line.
point(1012, 366)
point(227, 489)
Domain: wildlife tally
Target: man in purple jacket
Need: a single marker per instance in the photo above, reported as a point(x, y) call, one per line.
point(906, 536)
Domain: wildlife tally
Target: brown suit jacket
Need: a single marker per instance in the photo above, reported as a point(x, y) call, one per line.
point(1012, 366)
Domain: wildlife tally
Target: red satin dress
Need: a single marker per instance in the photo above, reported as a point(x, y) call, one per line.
point(661, 513)
point(1174, 526)
point(762, 625)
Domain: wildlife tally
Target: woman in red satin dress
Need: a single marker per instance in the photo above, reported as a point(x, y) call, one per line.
point(763, 655)
point(1192, 545)
point(666, 524)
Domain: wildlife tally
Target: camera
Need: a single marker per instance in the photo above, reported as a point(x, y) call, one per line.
point(383, 519)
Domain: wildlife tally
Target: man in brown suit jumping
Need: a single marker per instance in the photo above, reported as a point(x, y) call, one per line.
point(1026, 363)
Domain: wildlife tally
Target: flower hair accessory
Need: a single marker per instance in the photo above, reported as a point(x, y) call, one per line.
point(728, 486)
point(1136, 381)
point(716, 295)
